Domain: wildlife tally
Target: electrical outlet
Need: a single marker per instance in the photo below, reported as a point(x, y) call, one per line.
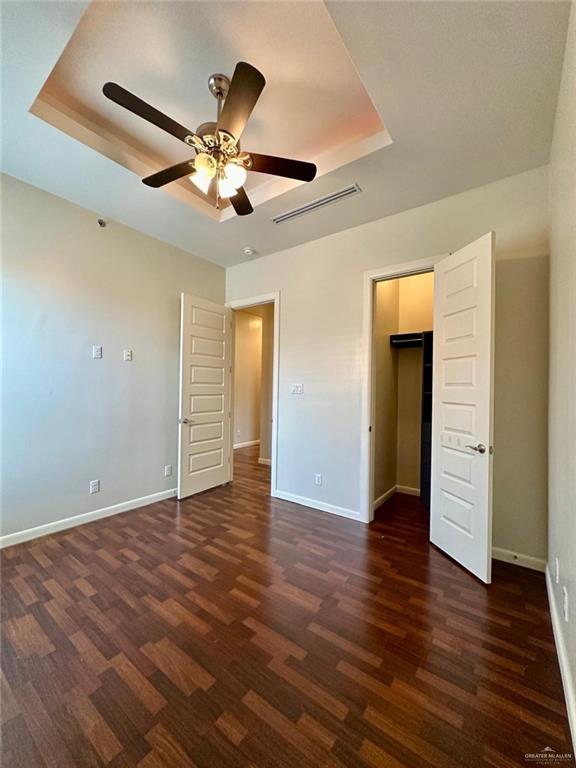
point(127, 355)
point(557, 570)
point(94, 486)
point(296, 389)
point(565, 603)
point(97, 351)
point(318, 479)
point(167, 470)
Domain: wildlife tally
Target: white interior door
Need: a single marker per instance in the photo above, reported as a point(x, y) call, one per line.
point(461, 503)
point(205, 360)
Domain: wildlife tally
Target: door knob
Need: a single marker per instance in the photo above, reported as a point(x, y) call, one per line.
point(186, 421)
point(480, 448)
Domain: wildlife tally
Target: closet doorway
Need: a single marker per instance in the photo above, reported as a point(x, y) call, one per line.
point(402, 356)
point(459, 521)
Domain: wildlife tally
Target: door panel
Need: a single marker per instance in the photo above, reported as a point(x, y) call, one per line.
point(461, 507)
point(205, 359)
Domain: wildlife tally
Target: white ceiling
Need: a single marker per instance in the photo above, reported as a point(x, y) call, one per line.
point(467, 91)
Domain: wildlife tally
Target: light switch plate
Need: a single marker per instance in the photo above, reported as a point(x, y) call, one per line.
point(97, 351)
point(296, 389)
point(127, 355)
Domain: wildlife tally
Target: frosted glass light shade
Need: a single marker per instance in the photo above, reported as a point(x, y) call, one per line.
point(226, 188)
point(201, 181)
point(235, 174)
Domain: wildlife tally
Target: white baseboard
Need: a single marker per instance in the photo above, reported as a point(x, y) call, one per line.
point(247, 444)
point(87, 517)
point(568, 674)
point(407, 489)
point(267, 462)
point(385, 496)
point(316, 504)
point(517, 558)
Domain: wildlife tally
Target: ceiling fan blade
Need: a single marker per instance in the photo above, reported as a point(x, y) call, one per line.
point(282, 166)
point(129, 101)
point(241, 203)
point(245, 89)
point(170, 174)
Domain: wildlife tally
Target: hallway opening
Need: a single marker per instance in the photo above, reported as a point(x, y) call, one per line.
point(253, 383)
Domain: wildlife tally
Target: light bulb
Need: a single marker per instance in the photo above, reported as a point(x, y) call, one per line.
point(205, 165)
point(202, 182)
point(235, 174)
point(226, 188)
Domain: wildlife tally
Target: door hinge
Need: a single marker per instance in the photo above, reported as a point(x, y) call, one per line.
point(370, 428)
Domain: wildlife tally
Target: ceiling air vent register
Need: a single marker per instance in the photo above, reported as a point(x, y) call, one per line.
point(314, 205)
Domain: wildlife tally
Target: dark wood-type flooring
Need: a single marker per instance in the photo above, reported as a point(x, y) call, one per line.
point(236, 630)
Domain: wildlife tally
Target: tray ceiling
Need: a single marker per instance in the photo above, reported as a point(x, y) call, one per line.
point(314, 106)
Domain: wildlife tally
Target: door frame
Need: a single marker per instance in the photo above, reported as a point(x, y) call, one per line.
point(371, 277)
point(245, 303)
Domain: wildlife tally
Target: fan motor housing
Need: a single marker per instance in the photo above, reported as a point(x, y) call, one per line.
point(206, 129)
point(223, 141)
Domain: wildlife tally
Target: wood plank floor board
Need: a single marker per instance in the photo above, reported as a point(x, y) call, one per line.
point(235, 630)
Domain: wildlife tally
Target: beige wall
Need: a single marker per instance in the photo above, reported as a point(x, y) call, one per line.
point(520, 406)
point(247, 377)
point(416, 303)
point(266, 381)
point(562, 427)
point(385, 386)
point(409, 418)
point(69, 419)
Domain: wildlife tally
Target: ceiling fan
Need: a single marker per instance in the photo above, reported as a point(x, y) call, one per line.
point(219, 168)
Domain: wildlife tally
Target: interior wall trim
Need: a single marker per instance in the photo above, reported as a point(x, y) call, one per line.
point(408, 490)
point(517, 558)
point(246, 444)
point(316, 504)
point(87, 517)
point(566, 672)
point(385, 496)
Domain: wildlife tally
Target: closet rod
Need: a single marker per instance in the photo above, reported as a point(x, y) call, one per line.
point(406, 339)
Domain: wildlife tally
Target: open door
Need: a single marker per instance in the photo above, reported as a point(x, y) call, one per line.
point(204, 449)
point(461, 503)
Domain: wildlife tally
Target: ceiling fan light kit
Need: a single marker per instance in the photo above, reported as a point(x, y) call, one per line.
point(219, 168)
